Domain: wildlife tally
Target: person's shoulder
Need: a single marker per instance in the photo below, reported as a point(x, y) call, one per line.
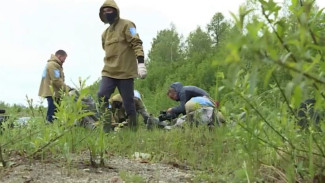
point(194, 87)
point(52, 63)
point(105, 31)
point(188, 87)
point(126, 22)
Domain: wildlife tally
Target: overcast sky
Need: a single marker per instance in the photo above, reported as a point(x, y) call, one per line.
point(32, 30)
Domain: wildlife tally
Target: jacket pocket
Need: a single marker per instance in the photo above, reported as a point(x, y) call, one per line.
point(111, 47)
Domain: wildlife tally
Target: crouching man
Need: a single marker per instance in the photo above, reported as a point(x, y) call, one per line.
point(191, 99)
point(88, 106)
point(118, 110)
point(202, 110)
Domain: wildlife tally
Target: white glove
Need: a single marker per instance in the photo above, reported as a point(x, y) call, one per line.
point(142, 70)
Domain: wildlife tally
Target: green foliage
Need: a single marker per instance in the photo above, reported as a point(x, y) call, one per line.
point(218, 28)
point(199, 44)
point(166, 47)
point(262, 67)
point(273, 66)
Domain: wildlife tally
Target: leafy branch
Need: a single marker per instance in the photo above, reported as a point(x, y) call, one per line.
point(286, 47)
point(284, 96)
point(266, 122)
point(51, 141)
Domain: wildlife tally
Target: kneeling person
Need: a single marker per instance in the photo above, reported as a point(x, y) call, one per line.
point(118, 110)
point(202, 110)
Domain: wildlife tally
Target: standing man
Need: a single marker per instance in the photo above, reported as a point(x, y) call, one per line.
point(52, 84)
point(123, 61)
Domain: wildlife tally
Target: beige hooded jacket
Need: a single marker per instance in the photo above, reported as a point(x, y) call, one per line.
point(53, 77)
point(122, 46)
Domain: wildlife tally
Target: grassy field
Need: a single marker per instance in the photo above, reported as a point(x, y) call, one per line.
point(243, 150)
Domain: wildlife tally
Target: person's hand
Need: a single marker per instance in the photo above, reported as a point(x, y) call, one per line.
point(169, 110)
point(142, 70)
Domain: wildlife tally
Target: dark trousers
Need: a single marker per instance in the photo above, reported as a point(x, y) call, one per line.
point(51, 108)
point(125, 88)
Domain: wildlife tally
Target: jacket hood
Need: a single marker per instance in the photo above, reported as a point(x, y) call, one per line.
point(177, 86)
point(108, 3)
point(54, 59)
point(116, 98)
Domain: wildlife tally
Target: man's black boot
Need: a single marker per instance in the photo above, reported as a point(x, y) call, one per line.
point(133, 124)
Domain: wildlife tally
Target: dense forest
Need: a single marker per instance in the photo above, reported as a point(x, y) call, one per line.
point(260, 65)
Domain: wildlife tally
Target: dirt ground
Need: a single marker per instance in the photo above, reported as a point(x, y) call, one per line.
point(116, 170)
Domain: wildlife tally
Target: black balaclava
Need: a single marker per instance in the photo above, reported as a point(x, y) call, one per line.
point(111, 17)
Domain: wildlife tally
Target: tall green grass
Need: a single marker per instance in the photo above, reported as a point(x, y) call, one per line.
point(243, 150)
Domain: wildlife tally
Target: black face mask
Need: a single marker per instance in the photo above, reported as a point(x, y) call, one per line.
point(110, 17)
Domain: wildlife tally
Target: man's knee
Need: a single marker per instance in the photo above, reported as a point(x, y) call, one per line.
point(100, 94)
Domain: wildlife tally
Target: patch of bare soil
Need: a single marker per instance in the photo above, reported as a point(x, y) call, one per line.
point(80, 171)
